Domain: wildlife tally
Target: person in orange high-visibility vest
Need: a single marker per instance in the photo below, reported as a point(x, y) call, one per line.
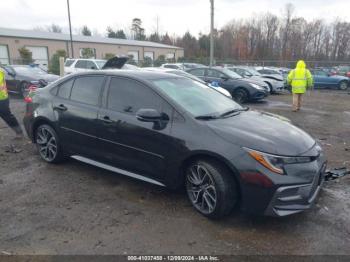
point(5, 112)
point(300, 79)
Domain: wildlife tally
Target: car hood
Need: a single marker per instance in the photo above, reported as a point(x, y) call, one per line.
point(115, 63)
point(274, 77)
point(255, 80)
point(263, 132)
point(337, 77)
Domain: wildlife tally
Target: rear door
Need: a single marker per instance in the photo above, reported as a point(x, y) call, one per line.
point(76, 106)
point(124, 141)
point(321, 79)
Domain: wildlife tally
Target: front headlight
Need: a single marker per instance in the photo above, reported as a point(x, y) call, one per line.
point(257, 86)
point(276, 163)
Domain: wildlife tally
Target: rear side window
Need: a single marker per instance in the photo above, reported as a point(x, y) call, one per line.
point(128, 96)
point(69, 62)
point(198, 72)
point(65, 89)
point(81, 64)
point(214, 73)
point(87, 89)
point(171, 66)
point(90, 65)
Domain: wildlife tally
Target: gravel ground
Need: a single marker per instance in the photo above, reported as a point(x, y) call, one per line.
point(73, 208)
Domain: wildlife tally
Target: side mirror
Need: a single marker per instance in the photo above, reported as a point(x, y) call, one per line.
point(160, 120)
point(224, 78)
point(148, 115)
point(93, 67)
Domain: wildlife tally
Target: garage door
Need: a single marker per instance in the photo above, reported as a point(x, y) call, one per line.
point(135, 55)
point(39, 55)
point(4, 55)
point(149, 54)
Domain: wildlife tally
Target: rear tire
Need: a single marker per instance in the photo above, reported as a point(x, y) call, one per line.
point(240, 95)
point(211, 188)
point(48, 144)
point(343, 85)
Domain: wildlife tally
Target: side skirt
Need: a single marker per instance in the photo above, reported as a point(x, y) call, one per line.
point(116, 170)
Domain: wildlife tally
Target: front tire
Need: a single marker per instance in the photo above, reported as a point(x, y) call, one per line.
point(211, 188)
point(48, 144)
point(240, 95)
point(343, 85)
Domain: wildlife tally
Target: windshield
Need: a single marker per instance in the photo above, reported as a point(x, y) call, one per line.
point(100, 63)
point(196, 98)
point(253, 72)
point(29, 70)
point(230, 73)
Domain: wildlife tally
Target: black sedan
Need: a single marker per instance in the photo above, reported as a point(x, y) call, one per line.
point(241, 89)
point(172, 131)
point(20, 77)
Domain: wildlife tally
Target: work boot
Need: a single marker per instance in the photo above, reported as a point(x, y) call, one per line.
point(19, 132)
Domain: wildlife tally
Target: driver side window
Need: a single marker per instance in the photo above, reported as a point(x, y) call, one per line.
point(214, 73)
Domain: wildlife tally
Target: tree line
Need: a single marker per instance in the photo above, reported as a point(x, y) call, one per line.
point(266, 36)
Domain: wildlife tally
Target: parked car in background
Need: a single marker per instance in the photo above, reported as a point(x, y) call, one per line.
point(177, 66)
point(251, 73)
point(343, 70)
point(270, 73)
point(322, 79)
point(20, 77)
point(241, 89)
point(175, 132)
point(83, 65)
point(188, 75)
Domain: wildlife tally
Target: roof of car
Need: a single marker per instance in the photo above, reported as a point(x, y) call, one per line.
point(138, 74)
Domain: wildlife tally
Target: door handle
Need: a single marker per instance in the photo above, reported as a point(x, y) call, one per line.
point(107, 120)
point(61, 107)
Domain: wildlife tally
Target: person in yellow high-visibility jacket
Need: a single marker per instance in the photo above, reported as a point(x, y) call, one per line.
point(5, 112)
point(300, 79)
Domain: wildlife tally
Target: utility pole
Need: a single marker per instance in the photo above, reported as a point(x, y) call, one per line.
point(211, 63)
point(70, 30)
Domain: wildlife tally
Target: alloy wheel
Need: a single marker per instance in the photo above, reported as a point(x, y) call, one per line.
point(47, 144)
point(201, 189)
point(343, 85)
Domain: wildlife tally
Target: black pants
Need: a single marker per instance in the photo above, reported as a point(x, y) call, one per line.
point(8, 117)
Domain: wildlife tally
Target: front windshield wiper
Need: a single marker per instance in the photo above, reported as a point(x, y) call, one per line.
point(206, 117)
point(232, 111)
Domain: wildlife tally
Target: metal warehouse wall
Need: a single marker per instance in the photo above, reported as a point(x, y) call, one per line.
point(14, 44)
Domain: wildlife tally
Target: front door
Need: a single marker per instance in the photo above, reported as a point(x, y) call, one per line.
point(124, 141)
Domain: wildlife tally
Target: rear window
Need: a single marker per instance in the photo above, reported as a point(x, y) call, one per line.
point(65, 88)
point(87, 89)
point(69, 62)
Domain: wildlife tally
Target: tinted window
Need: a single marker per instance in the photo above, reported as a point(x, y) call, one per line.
point(69, 62)
point(90, 65)
point(65, 88)
point(320, 73)
point(80, 64)
point(126, 95)
point(171, 66)
point(214, 73)
point(87, 89)
point(198, 72)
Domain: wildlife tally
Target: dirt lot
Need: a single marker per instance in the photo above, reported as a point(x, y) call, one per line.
point(73, 208)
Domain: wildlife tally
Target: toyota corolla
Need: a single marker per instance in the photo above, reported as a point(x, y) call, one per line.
point(175, 132)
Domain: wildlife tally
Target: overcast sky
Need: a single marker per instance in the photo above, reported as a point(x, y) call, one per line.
point(175, 16)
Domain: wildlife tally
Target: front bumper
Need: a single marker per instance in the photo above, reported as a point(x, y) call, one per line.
point(259, 95)
point(289, 200)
